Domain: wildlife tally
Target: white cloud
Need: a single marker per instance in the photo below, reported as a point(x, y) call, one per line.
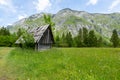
point(92, 2)
point(7, 5)
point(114, 4)
point(22, 16)
point(3, 2)
point(42, 5)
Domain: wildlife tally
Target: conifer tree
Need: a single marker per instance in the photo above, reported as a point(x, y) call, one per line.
point(63, 38)
point(57, 41)
point(79, 39)
point(100, 42)
point(69, 39)
point(92, 39)
point(114, 38)
point(85, 37)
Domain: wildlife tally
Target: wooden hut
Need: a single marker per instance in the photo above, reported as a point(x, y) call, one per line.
point(43, 37)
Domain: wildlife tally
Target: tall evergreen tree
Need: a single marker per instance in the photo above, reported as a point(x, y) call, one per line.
point(63, 38)
point(114, 38)
point(92, 39)
point(100, 42)
point(69, 39)
point(79, 39)
point(57, 41)
point(85, 37)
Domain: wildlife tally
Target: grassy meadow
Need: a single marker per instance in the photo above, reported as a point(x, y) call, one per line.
point(60, 64)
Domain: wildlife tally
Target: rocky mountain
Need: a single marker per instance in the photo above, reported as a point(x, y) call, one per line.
point(72, 20)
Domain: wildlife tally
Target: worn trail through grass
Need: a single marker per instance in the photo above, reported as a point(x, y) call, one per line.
point(3, 54)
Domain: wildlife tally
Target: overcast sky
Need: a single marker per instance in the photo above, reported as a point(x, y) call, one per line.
point(14, 10)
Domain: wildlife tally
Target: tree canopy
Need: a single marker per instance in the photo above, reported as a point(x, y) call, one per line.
point(48, 20)
point(114, 38)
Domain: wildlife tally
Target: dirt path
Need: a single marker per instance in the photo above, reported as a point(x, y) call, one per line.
point(3, 54)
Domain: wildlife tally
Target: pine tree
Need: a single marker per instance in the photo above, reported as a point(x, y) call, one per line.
point(114, 38)
point(57, 41)
point(85, 37)
point(100, 42)
point(92, 39)
point(63, 42)
point(69, 39)
point(79, 39)
point(63, 38)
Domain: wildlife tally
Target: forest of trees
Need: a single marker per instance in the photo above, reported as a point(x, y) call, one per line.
point(6, 38)
point(84, 38)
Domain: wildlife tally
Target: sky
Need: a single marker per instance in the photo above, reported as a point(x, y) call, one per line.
point(14, 10)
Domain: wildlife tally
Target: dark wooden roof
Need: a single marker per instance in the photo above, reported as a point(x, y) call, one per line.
point(37, 33)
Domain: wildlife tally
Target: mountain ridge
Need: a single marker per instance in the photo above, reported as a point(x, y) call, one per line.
point(68, 20)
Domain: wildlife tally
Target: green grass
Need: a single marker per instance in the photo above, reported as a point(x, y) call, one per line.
point(64, 64)
point(4, 52)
